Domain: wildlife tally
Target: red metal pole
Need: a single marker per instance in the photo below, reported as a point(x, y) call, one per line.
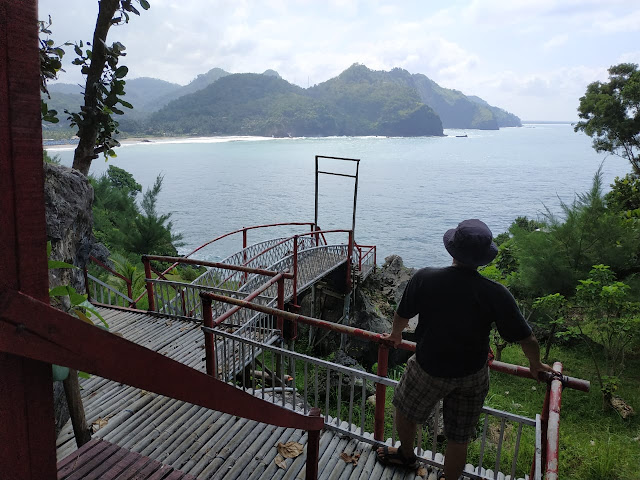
point(544, 423)
point(349, 254)
point(295, 269)
point(553, 426)
point(313, 449)
point(280, 320)
point(375, 260)
point(381, 393)
point(130, 292)
point(209, 344)
point(147, 274)
point(244, 253)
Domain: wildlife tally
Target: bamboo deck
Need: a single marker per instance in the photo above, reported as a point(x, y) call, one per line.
point(196, 441)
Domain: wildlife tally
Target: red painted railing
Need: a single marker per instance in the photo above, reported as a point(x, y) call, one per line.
point(550, 411)
point(50, 335)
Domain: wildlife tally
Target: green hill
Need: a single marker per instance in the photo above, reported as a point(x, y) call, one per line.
point(355, 103)
point(504, 118)
point(359, 101)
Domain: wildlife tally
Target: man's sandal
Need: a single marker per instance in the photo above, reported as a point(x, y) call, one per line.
point(396, 459)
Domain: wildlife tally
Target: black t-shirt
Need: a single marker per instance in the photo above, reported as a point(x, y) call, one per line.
point(457, 307)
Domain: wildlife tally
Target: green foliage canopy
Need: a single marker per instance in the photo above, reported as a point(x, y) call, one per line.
point(610, 113)
point(553, 259)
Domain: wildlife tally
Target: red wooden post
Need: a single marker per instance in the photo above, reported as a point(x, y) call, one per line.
point(349, 255)
point(295, 269)
point(27, 434)
point(130, 292)
point(147, 274)
point(209, 343)
point(280, 320)
point(313, 449)
point(381, 393)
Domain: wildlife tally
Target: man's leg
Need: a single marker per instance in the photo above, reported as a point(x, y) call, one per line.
point(406, 434)
point(454, 460)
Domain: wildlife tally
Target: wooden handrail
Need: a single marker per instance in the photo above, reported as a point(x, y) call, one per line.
point(50, 335)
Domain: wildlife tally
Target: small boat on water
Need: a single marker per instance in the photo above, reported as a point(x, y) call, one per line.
point(461, 136)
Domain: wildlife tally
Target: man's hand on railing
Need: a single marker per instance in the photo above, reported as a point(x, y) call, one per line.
point(537, 368)
point(393, 339)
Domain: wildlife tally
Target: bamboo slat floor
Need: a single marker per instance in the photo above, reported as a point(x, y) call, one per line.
point(200, 442)
point(203, 443)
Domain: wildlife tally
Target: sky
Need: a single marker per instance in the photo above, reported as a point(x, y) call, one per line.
point(533, 58)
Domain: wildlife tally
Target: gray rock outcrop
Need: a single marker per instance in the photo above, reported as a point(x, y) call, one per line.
point(68, 201)
point(376, 301)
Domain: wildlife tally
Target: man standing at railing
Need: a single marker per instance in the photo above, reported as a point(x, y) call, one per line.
point(456, 307)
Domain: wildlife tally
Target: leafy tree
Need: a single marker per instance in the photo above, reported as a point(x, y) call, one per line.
point(50, 64)
point(49, 159)
point(624, 196)
point(104, 85)
point(123, 180)
point(609, 318)
point(553, 259)
point(611, 113)
point(553, 308)
point(151, 232)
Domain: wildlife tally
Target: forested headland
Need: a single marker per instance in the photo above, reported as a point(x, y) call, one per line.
point(359, 101)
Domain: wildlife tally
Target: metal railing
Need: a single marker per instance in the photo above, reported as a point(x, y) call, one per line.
point(300, 382)
point(278, 254)
point(100, 292)
point(96, 288)
point(287, 366)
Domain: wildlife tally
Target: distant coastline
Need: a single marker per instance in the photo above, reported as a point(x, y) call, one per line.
point(549, 122)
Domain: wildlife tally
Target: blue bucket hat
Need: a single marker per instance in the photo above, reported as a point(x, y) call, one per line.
point(471, 243)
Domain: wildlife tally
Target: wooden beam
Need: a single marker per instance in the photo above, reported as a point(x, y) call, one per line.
point(53, 336)
point(27, 431)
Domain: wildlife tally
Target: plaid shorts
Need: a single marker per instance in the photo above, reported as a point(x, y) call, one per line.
point(418, 392)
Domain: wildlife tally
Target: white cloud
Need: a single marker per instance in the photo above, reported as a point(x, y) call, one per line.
point(523, 55)
point(619, 24)
point(556, 41)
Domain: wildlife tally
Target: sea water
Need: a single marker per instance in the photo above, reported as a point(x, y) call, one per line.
point(410, 190)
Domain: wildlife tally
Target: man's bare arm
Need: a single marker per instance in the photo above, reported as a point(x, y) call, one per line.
point(399, 324)
point(531, 349)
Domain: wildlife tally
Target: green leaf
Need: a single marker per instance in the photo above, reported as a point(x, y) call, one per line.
point(89, 307)
point(125, 103)
point(144, 4)
point(59, 264)
point(60, 291)
point(84, 375)
point(122, 71)
point(75, 297)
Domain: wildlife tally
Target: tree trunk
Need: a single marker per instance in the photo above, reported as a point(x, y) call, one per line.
point(85, 151)
point(76, 409)
point(549, 343)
